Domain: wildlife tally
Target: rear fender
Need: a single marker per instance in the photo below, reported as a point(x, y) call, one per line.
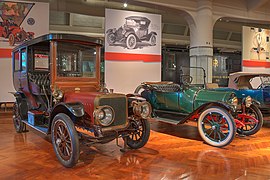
point(22, 102)
point(150, 35)
point(256, 103)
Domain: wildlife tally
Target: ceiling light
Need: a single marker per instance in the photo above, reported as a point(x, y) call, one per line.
point(125, 5)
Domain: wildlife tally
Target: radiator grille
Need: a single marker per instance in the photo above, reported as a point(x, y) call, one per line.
point(119, 104)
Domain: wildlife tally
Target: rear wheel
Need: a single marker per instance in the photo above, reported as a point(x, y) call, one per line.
point(65, 140)
point(216, 127)
point(153, 40)
point(251, 127)
point(140, 133)
point(17, 118)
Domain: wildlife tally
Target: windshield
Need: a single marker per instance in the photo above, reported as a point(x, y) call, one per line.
point(260, 82)
point(192, 75)
point(76, 60)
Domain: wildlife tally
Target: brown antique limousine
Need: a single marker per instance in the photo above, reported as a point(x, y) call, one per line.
point(57, 79)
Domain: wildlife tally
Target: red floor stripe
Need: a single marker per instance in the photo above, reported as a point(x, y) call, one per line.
point(132, 57)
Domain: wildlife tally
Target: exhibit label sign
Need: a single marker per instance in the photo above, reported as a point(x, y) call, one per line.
point(132, 49)
point(19, 21)
point(256, 48)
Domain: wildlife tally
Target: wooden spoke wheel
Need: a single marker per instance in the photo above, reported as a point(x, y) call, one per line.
point(17, 119)
point(139, 134)
point(216, 126)
point(251, 127)
point(65, 140)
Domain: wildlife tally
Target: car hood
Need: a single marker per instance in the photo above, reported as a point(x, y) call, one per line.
point(89, 99)
point(203, 96)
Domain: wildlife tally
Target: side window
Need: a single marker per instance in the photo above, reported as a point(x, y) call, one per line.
point(16, 61)
point(23, 59)
point(41, 60)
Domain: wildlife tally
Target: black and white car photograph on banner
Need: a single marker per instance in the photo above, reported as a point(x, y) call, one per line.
point(133, 34)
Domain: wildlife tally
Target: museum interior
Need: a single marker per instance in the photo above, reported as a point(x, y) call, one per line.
point(135, 89)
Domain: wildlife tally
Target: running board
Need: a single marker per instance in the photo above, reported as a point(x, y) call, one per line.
point(170, 112)
point(165, 120)
point(39, 129)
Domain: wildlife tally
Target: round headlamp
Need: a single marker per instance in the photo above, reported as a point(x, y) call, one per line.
point(248, 101)
point(104, 115)
point(234, 101)
point(57, 94)
point(142, 109)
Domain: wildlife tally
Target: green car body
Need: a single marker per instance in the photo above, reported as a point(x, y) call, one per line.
point(218, 113)
point(189, 99)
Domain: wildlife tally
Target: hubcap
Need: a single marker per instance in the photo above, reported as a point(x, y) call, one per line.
point(215, 127)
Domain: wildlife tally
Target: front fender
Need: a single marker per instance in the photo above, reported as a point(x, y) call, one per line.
point(110, 31)
point(195, 113)
point(75, 108)
point(255, 102)
point(152, 33)
point(130, 32)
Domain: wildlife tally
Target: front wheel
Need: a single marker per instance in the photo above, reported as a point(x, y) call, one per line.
point(111, 38)
point(139, 134)
point(65, 140)
point(131, 41)
point(216, 127)
point(252, 127)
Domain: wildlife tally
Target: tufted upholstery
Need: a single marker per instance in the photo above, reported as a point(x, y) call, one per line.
point(37, 81)
point(40, 79)
point(166, 87)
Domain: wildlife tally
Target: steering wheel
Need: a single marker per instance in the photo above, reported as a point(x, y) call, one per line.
point(186, 79)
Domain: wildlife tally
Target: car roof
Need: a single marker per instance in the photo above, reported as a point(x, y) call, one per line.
point(138, 18)
point(243, 76)
point(238, 74)
point(58, 36)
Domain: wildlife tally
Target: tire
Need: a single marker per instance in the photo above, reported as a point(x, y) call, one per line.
point(139, 137)
point(131, 41)
point(153, 40)
point(11, 40)
point(212, 127)
point(251, 129)
point(17, 118)
point(111, 38)
point(65, 140)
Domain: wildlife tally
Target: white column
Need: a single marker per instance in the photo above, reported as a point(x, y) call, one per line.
point(201, 37)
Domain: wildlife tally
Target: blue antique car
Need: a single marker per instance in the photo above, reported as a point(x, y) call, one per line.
point(219, 114)
point(253, 84)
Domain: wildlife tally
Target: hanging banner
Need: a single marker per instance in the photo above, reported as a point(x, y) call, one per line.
point(132, 49)
point(256, 48)
point(19, 21)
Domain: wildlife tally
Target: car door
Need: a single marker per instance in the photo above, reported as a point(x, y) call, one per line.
point(167, 100)
point(23, 78)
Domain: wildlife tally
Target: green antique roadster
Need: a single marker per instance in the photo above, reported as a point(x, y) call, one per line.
point(219, 114)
